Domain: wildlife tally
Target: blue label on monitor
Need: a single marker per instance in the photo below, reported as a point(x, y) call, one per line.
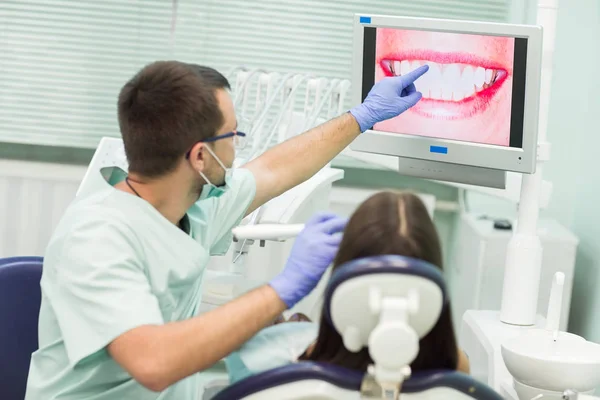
point(365, 20)
point(438, 149)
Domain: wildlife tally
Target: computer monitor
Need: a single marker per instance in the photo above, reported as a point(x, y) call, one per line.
point(480, 96)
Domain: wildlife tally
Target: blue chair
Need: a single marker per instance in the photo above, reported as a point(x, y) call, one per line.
point(19, 259)
point(325, 381)
point(20, 299)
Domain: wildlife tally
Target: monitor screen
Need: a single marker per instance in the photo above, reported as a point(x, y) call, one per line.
point(474, 90)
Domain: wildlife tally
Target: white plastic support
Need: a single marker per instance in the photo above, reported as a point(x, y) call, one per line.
point(543, 151)
point(524, 256)
point(352, 339)
point(393, 344)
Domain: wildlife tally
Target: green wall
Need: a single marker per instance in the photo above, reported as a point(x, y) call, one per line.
point(574, 131)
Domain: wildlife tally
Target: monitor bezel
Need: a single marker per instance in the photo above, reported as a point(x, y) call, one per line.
point(427, 148)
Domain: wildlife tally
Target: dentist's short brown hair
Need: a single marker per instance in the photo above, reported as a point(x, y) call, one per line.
point(164, 110)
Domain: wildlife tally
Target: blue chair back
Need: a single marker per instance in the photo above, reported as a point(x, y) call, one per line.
point(20, 299)
point(452, 381)
point(20, 259)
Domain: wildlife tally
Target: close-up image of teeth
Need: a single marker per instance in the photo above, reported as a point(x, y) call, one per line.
point(466, 91)
point(447, 82)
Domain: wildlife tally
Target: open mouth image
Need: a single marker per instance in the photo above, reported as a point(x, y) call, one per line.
point(457, 85)
point(467, 91)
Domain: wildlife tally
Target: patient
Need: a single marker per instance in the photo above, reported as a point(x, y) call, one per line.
point(386, 223)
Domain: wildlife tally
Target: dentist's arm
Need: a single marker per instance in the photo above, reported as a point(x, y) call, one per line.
point(297, 159)
point(158, 356)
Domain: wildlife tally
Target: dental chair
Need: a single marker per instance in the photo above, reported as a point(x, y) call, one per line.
point(387, 303)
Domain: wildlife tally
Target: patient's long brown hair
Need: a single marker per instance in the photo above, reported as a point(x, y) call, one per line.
point(399, 224)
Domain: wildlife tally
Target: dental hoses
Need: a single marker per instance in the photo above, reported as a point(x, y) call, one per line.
point(243, 114)
point(280, 115)
point(265, 114)
point(259, 118)
point(310, 122)
point(257, 107)
point(244, 85)
point(229, 74)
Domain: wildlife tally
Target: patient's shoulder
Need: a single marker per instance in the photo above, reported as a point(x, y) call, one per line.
point(272, 347)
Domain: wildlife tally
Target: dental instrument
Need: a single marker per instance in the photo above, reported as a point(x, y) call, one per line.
point(265, 239)
point(276, 232)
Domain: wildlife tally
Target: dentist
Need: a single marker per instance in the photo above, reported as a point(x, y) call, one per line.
point(122, 274)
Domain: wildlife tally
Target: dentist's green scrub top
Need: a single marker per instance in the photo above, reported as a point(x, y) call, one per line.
point(115, 263)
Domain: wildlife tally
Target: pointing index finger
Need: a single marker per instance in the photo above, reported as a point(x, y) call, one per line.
point(414, 75)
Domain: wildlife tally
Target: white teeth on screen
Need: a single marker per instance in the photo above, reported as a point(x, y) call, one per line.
point(488, 76)
point(404, 67)
point(479, 77)
point(396, 67)
point(436, 94)
point(468, 81)
point(448, 82)
point(414, 65)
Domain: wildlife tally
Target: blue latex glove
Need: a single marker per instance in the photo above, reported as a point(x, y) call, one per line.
point(388, 98)
point(314, 250)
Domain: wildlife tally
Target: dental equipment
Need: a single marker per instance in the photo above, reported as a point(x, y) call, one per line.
point(477, 264)
point(267, 88)
point(483, 332)
point(241, 91)
point(296, 121)
point(423, 147)
point(386, 303)
point(273, 123)
point(287, 103)
point(264, 240)
point(327, 95)
point(548, 362)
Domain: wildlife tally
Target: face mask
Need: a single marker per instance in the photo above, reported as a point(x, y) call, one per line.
point(210, 190)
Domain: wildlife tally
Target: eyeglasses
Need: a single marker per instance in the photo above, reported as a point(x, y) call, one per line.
point(239, 140)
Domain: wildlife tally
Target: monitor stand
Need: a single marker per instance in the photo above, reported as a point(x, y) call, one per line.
point(443, 171)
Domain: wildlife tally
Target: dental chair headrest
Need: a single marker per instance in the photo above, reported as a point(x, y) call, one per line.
point(387, 303)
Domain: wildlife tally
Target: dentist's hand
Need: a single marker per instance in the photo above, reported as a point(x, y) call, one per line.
point(314, 250)
point(388, 98)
